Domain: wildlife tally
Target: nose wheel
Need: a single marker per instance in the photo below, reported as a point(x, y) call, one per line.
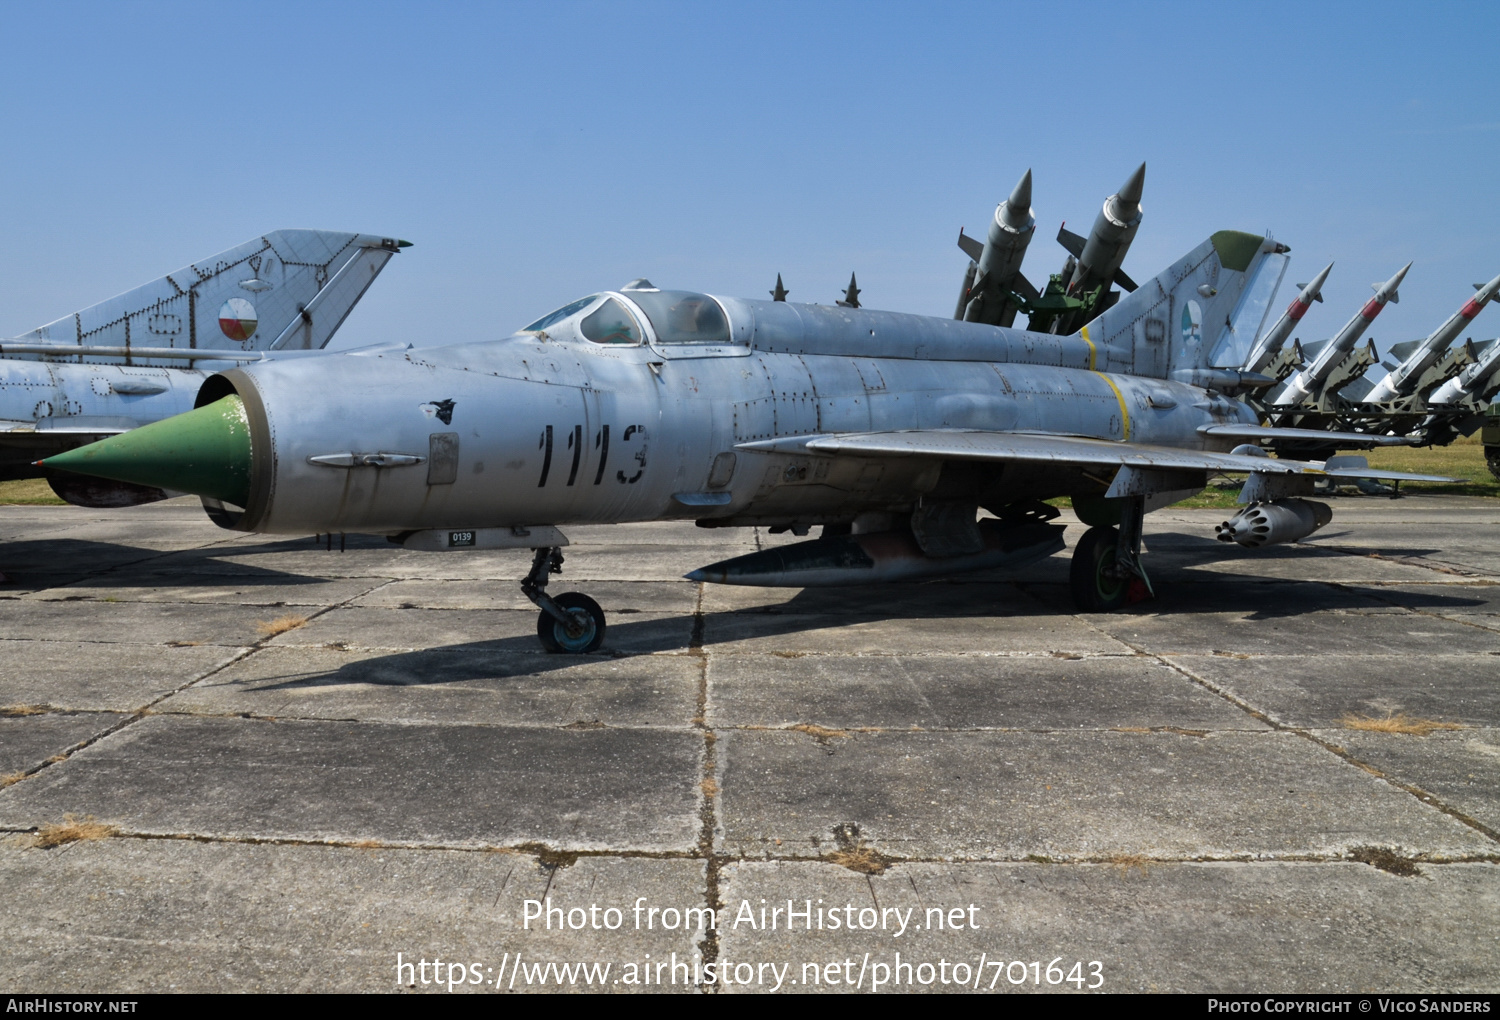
point(571, 622)
point(584, 630)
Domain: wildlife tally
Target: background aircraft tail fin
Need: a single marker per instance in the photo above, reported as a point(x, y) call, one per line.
point(1176, 320)
point(289, 289)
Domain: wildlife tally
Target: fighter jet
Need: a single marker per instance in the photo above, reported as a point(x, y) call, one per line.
point(143, 355)
point(890, 431)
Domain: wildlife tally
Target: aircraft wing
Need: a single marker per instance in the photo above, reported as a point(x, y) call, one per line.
point(1037, 448)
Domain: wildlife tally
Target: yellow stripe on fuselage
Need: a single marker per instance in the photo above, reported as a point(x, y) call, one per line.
point(1093, 351)
point(1124, 411)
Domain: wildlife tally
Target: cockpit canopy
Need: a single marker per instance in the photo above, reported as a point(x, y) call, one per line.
point(676, 317)
point(682, 317)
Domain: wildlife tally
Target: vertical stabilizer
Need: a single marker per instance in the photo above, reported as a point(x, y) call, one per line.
point(289, 289)
point(1174, 321)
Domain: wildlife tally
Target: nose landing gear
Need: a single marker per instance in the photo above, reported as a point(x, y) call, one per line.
point(572, 622)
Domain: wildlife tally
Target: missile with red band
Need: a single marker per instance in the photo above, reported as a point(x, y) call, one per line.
point(1405, 375)
point(1271, 343)
point(1305, 382)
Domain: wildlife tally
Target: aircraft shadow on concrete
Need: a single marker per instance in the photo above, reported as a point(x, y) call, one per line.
point(58, 562)
point(520, 657)
point(1189, 574)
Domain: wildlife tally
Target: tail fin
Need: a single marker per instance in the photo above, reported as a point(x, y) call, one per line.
point(1176, 320)
point(287, 289)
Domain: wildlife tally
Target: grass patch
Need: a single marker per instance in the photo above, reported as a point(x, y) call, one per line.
point(709, 786)
point(23, 710)
point(11, 779)
point(73, 830)
point(1125, 862)
point(29, 492)
point(280, 625)
point(818, 732)
point(859, 858)
point(1397, 722)
point(1464, 458)
point(1213, 498)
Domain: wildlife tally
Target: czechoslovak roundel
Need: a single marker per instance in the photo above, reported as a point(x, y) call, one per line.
point(237, 319)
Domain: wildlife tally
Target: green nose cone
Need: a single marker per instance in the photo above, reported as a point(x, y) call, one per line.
point(205, 452)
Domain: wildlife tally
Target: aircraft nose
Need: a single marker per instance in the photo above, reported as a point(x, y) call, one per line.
point(205, 451)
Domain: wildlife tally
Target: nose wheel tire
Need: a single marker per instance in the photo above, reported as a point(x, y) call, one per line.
point(1096, 588)
point(587, 632)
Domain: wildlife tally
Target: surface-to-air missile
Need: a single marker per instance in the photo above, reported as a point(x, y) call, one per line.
point(1084, 288)
point(1478, 382)
point(1114, 229)
point(1404, 378)
point(1310, 379)
point(890, 431)
point(1269, 345)
point(994, 277)
point(779, 293)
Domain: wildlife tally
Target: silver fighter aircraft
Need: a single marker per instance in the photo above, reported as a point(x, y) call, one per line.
point(143, 355)
point(889, 431)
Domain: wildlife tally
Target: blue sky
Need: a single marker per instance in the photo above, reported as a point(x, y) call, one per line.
point(538, 152)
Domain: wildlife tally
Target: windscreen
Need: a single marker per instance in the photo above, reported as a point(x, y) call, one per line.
point(610, 323)
point(552, 318)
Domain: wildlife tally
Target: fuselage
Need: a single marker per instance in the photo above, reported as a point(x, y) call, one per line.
point(647, 422)
point(53, 398)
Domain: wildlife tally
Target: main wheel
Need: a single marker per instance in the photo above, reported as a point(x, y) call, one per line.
point(587, 633)
point(1095, 590)
point(1492, 460)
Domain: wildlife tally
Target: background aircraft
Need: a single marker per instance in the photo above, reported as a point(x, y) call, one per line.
point(142, 356)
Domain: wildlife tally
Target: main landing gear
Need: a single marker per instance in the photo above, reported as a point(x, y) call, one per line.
point(1106, 572)
point(572, 622)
